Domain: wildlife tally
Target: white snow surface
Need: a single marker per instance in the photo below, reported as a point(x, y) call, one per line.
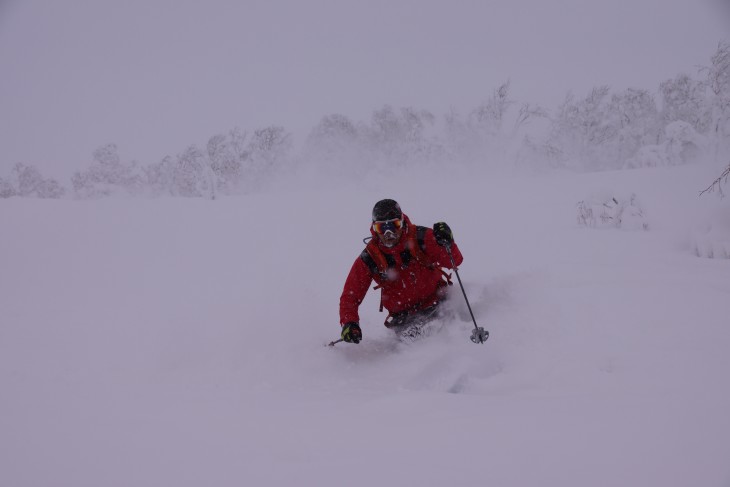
point(180, 342)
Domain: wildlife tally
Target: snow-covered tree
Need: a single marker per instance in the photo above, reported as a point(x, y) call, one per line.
point(332, 129)
point(228, 163)
point(492, 131)
point(581, 131)
point(527, 113)
point(419, 145)
point(227, 155)
point(602, 132)
point(399, 138)
point(268, 151)
point(334, 143)
point(489, 117)
point(482, 134)
point(718, 81)
point(332, 135)
point(683, 98)
point(6, 189)
point(158, 176)
point(636, 120)
point(27, 181)
point(108, 174)
point(718, 73)
point(192, 175)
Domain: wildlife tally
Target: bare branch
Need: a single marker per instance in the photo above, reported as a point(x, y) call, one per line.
point(717, 183)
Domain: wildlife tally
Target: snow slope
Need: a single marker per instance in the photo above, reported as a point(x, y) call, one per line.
point(180, 342)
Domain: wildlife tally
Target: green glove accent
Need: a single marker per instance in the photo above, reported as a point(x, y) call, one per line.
point(351, 332)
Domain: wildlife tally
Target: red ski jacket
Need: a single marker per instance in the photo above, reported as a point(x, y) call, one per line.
point(409, 274)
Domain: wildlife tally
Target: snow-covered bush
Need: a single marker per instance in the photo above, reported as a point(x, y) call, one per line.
point(682, 145)
point(606, 211)
point(649, 156)
point(631, 216)
point(713, 244)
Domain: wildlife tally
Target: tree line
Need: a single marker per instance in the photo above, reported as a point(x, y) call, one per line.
point(686, 118)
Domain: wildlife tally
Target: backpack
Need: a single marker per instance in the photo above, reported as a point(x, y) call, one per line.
point(415, 248)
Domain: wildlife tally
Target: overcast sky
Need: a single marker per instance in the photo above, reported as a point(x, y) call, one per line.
point(154, 76)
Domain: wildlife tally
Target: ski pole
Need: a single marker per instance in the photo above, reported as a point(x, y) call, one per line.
point(332, 344)
point(479, 335)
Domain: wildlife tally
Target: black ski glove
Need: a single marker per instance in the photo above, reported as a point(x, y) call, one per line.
point(443, 234)
point(351, 332)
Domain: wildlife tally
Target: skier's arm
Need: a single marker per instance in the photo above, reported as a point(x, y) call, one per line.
point(356, 286)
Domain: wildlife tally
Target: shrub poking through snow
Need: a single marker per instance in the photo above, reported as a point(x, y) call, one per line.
point(611, 212)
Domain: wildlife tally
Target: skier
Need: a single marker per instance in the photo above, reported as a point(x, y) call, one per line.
point(406, 263)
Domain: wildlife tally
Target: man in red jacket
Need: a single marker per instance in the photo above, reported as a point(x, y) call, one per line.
point(406, 263)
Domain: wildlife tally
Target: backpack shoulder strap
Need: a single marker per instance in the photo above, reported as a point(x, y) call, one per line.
point(417, 245)
point(378, 265)
point(374, 259)
point(421, 237)
point(370, 262)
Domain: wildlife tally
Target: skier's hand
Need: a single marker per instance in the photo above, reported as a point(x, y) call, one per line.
point(351, 332)
point(443, 235)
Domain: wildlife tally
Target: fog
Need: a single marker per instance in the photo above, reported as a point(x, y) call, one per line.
point(155, 77)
